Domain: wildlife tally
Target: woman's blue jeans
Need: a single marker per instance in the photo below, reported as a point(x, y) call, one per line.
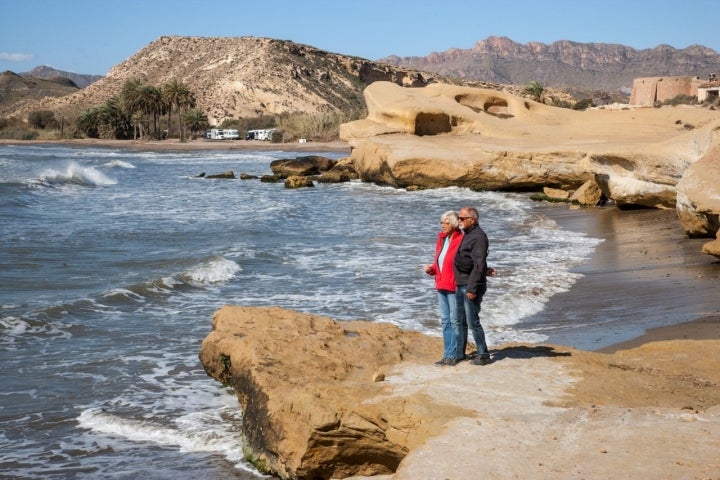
point(448, 304)
point(467, 316)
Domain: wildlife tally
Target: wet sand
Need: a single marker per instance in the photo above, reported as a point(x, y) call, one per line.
point(644, 282)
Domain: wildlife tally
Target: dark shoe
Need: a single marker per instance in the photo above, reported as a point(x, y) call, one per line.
point(473, 355)
point(449, 362)
point(481, 361)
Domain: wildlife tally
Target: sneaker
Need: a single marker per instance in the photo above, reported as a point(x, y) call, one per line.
point(473, 355)
point(481, 361)
point(450, 362)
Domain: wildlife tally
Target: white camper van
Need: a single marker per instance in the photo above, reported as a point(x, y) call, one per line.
point(217, 134)
point(265, 134)
point(231, 134)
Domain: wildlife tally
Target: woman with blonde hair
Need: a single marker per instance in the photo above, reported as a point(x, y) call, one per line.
point(449, 239)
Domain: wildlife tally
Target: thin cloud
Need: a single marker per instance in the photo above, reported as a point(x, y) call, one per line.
point(15, 57)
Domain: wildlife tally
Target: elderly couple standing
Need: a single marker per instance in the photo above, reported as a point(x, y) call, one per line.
point(460, 271)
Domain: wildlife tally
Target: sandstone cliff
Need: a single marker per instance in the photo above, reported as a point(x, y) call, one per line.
point(444, 135)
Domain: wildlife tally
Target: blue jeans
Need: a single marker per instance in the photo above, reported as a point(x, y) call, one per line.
point(448, 305)
point(467, 316)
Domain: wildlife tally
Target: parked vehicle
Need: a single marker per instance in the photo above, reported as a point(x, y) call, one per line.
point(263, 134)
point(231, 134)
point(216, 134)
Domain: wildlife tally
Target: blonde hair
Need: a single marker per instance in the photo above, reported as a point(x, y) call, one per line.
point(451, 217)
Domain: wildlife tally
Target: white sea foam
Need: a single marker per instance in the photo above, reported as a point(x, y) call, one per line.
point(213, 272)
point(75, 174)
point(119, 164)
point(210, 431)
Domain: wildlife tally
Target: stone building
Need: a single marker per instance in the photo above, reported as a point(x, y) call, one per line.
point(648, 90)
point(710, 90)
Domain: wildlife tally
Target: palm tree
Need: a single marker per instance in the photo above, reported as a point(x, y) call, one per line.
point(196, 120)
point(130, 101)
point(173, 91)
point(535, 89)
point(151, 102)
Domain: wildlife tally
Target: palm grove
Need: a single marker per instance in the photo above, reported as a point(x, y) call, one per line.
point(144, 111)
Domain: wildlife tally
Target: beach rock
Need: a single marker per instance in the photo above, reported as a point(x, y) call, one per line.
point(556, 193)
point(589, 194)
point(302, 381)
point(298, 181)
point(698, 199)
point(444, 135)
point(302, 166)
point(229, 174)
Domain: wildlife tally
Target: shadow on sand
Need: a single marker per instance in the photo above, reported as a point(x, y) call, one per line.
point(523, 351)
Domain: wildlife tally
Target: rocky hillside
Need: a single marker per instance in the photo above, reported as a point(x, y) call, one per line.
point(243, 77)
point(48, 73)
point(564, 64)
point(22, 91)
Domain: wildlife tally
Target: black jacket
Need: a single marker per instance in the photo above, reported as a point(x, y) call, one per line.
point(471, 260)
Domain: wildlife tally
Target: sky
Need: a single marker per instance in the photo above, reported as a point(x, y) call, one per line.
point(90, 37)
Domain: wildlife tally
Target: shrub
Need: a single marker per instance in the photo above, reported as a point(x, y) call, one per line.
point(681, 100)
point(43, 119)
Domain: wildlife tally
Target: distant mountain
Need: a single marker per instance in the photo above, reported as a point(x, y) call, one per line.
point(45, 72)
point(564, 64)
point(20, 90)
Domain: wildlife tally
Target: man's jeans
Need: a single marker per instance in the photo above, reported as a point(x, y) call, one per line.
point(467, 316)
point(448, 305)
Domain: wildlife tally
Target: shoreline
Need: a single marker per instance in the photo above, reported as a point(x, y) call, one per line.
point(190, 145)
point(647, 281)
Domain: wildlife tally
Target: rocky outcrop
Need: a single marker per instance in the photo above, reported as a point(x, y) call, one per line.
point(444, 135)
point(302, 166)
point(324, 399)
point(302, 381)
point(298, 181)
point(698, 199)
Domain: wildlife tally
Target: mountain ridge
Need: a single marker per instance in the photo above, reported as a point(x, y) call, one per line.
point(564, 63)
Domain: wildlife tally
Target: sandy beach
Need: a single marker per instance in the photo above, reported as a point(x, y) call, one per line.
point(646, 270)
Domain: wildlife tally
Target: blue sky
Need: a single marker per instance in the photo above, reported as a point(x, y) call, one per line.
point(92, 36)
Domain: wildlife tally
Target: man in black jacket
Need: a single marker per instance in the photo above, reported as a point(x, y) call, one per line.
point(471, 280)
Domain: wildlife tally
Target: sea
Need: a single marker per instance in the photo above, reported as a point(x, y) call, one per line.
point(113, 262)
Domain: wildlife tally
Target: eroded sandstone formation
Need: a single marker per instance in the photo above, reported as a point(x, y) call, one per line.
point(324, 399)
point(304, 383)
point(444, 135)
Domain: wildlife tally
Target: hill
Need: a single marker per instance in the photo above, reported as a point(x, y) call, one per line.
point(564, 64)
point(234, 77)
point(22, 91)
point(49, 73)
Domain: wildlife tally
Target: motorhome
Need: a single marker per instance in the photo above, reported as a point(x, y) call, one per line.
point(231, 134)
point(215, 134)
point(264, 134)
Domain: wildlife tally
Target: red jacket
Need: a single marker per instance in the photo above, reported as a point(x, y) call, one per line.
point(445, 280)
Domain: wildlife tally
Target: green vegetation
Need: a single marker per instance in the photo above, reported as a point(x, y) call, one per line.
point(679, 100)
point(196, 120)
point(534, 89)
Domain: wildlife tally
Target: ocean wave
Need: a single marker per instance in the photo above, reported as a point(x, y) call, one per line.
point(119, 164)
point(209, 432)
point(214, 272)
point(75, 174)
